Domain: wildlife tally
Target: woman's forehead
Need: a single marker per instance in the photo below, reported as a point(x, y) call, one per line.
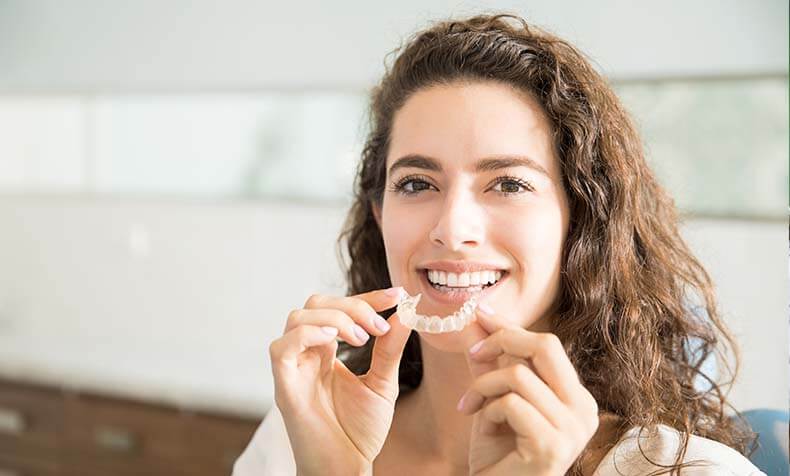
point(461, 125)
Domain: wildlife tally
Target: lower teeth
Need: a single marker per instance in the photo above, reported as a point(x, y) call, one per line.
point(446, 289)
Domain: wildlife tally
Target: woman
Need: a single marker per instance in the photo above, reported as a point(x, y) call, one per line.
point(496, 150)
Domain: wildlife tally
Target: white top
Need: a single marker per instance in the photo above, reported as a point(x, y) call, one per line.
point(269, 452)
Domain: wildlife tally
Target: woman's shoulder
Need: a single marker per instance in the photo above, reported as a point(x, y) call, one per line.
point(269, 450)
point(661, 445)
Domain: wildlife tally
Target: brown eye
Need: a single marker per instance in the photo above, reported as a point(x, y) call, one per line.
point(416, 186)
point(512, 185)
point(410, 185)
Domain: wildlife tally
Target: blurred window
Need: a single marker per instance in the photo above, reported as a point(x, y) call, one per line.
point(719, 146)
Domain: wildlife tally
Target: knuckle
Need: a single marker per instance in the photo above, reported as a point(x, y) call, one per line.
point(499, 337)
point(274, 349)
point(588, 402)
point(293, 316)
point(340, 318)
point(313, 301)
point(511, 401)
point(520, 373)
point(361, 307)
point(300, 332)
point(551, 341)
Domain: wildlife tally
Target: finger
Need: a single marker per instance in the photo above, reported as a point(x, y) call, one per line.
point(328, 354)
point(348, 329)
point(362, 308)
point(382, 377)
point(483, 326)
point(546, 353)
point(382, 299)
point(520, 415)
point(476, 332)
point(492, 321)
point(285, 350)
point(522, 381)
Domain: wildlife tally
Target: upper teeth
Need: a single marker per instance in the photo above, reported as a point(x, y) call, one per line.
point(462, 280)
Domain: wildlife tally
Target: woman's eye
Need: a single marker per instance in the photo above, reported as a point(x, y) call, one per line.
point(511, 186)
point(416, 185)
point(412, 186)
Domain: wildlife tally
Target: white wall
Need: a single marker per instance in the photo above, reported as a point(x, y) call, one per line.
point(188, 44)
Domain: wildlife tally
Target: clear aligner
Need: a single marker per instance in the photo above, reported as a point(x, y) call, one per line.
point(407, 313)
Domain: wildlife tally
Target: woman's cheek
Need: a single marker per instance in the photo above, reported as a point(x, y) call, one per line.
point(400, 242)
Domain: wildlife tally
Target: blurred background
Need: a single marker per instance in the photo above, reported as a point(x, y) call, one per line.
point(174, 174)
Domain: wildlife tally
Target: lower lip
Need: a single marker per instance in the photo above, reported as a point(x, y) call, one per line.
point(456, 297)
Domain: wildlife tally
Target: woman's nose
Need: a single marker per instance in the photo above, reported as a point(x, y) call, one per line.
point(459, 224)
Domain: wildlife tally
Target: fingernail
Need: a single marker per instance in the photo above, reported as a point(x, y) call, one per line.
point(476, 347)
point(460, 405)
point(380, 323)
point(485, 308)
point(360, 333)
point(396, 291)
point(330, 330)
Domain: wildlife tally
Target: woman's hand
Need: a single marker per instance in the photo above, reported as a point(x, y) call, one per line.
point(337, 422)
point(532, 414)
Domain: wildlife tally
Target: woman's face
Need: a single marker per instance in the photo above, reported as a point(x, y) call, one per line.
point(458, 210)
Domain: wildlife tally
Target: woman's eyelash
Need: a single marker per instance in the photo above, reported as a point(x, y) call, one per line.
point(521, 182)
point(401, 185)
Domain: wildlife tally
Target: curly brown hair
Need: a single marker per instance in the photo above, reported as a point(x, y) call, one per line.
point(628, 280)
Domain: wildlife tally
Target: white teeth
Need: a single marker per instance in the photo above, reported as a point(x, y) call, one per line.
point(407, 313)
point(464, 280)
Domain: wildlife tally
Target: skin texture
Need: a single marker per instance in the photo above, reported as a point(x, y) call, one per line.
point(458, 214)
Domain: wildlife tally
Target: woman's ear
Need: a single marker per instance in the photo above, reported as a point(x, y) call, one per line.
point(376, 214)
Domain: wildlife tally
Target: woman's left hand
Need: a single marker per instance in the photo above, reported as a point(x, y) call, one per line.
point(532, 415)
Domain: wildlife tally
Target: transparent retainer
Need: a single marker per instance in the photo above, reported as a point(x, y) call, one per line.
point(407, 313)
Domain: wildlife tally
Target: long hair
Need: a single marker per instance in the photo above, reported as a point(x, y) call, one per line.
point(636, 311)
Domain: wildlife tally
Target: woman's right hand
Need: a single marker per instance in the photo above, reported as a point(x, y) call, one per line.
point(337, 422)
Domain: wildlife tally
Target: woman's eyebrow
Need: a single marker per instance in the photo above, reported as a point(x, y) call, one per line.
point(487, 164)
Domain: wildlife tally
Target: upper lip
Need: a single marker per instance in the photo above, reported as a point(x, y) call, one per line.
point(461, 266)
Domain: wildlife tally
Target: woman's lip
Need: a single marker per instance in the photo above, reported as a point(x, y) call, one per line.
point(456, 298)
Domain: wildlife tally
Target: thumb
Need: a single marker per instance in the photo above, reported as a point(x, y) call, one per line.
point(382, 377)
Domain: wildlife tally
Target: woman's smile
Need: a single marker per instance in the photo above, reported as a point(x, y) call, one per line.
point(453, 289)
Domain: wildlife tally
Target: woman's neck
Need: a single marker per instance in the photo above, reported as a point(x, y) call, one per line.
point(427, 416)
